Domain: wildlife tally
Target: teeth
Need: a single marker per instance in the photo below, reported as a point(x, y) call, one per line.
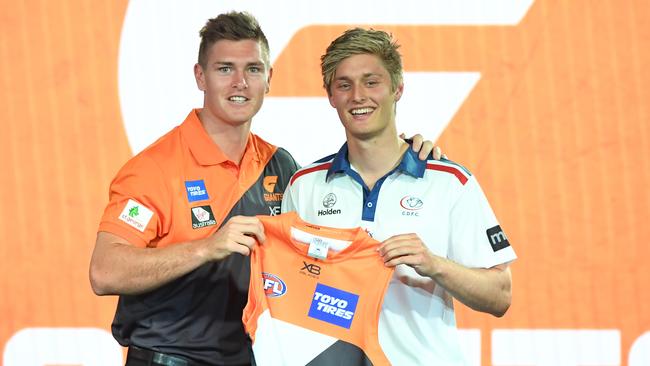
point(238, 99)
point(361, 111)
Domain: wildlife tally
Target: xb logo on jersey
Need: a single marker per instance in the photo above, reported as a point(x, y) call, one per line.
point(313, 270)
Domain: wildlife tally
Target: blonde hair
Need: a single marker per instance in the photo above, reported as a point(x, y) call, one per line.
point(358, 41)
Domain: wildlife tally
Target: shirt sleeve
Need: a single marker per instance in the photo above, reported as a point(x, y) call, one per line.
point(476, 238)
point(139, 203)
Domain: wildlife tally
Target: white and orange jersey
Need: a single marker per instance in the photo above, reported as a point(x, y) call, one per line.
point(315, 295)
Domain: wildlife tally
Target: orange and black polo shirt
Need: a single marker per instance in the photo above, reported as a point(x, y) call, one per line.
point(181, 188)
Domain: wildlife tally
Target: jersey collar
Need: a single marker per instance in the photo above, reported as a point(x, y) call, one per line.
point(410, 164)
point(204, 150)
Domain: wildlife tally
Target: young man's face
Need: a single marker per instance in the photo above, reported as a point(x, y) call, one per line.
point(361, 93)
point(234, 81)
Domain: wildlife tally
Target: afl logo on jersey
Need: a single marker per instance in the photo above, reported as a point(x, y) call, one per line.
point(273, 285)
point(411, 203)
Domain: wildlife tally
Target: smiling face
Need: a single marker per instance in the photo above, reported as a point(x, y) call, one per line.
point(234, 81)
point(363, 97)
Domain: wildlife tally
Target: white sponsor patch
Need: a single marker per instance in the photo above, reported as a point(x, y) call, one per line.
point(201, 214)
point(136, 215)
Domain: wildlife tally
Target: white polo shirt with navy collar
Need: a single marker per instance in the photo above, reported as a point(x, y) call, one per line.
point(444, 205)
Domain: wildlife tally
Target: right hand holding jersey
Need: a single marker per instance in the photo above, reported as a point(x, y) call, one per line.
point(238, 235)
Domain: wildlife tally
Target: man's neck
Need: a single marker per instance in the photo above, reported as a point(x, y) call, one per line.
point(231, 139)
point(373, 159)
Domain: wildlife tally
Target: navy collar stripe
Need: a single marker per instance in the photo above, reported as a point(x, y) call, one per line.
point(410, 163)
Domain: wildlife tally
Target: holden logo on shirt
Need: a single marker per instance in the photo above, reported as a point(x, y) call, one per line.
point(411, 205)
point(328, 202)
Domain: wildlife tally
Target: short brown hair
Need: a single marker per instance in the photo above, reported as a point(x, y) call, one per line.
point(233, 26)
point(357, 41)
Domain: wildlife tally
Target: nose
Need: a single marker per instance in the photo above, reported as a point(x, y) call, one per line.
point(239, 82)
point(358, 95)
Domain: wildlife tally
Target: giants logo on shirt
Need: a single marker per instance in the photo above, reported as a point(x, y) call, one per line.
point(269, 183)
point(333, 306)
point(273, 285)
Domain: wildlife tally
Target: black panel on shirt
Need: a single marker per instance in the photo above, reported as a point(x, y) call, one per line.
point(341, 353)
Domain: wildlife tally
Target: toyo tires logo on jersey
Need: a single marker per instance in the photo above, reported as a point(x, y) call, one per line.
point(333, 306)
point(273, 285)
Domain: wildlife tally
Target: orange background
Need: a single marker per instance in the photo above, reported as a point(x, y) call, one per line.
point(557, 131)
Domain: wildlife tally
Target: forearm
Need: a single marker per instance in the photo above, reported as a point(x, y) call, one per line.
point(482, 289)
point(122, 269)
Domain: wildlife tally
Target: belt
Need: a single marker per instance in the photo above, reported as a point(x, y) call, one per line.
point(157, 358)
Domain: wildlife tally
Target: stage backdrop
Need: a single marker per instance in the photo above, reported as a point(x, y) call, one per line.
point(545, 101)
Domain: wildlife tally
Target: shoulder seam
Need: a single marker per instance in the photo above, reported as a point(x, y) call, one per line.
point(308, 170)
point(457, 172)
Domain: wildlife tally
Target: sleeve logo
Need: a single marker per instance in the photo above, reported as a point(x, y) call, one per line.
point(333, 306)
point(136, 215)
point(196, 190)
point(497, 238)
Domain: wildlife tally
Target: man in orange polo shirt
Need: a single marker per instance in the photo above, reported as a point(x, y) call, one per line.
point(174, 239)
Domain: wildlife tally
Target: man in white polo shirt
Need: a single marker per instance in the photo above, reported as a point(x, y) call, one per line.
point(436, 226)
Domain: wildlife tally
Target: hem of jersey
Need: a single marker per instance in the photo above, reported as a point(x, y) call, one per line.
point(117, 229)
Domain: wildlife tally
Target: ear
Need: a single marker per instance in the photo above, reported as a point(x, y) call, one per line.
point(331, 99)
point(199, 76)
point(399, 91)
point(268, 80)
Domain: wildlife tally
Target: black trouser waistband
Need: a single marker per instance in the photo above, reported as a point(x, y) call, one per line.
point(141, 356)
point(156, 358)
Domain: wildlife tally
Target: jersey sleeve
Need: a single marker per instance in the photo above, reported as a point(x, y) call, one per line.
point(476, 238)
point(139, 203)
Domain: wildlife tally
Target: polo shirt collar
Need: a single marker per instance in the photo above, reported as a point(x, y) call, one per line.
point(204, 150)
point(410, 163)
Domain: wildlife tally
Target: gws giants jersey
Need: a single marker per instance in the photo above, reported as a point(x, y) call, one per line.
point(439, 201)
point(307, 311)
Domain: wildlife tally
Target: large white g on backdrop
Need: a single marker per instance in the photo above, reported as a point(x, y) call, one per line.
point(160, 39)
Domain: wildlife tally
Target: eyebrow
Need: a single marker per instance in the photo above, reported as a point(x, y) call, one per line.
point(364, 76)
point(228, 63)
